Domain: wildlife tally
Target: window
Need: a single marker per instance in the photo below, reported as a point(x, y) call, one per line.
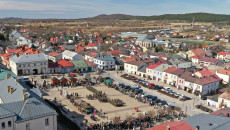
point(34, 64)
point(27, 126)
point(41, 64)
point(47, 121)
point(19, 66)
point(28, 65)
point(9, 123)
point(44, 63)
point(3, 125)
point(111, 62)
point(24, 65)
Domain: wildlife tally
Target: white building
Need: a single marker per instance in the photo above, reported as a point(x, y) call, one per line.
point(71, 55)
point(105, 62)
point(54, 56)
point(22, 108)
point(223, 74)
point(29, 64)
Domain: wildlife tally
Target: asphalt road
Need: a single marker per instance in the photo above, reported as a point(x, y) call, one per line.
point(186, 106)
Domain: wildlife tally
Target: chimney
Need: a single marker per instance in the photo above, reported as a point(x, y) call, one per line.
point(23, 92)
point(168, 127)
point(18, 80)
point(8, 89)
point(25, 97)
point(11, 90)
point(197, 127)
point(8, 76)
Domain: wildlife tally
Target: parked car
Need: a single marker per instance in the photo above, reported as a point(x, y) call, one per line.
point(137, 86)
point(163, 102)
point(156, 101)
point(121, 85)
point(152, 97)
point(157, 87)
point(137, 91)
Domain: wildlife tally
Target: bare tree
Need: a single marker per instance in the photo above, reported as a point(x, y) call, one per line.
point(116, 120)
point(151, 114)
point(129, 119)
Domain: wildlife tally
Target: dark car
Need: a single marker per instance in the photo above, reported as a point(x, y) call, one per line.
point(163, 102)
point(152, 97)
point(157, 87)
point(127, 87)
point(124, 75)
point(121, 85)
point(137, 91)
point(156, 101)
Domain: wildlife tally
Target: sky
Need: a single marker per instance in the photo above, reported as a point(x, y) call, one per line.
point(73, 9)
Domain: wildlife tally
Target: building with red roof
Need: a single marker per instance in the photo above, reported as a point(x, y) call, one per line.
point(115, 52)
point(91, 66)
point(66, 66)
point(223, 56)
point(195, 59)
point(173, 125)
point(170, 75)
point(204, 73)
point(92, 46)
point(31, 51)
point(149, 70)
point(90, 56)
point(54, 56)
point(224, 74)
point(197, 51)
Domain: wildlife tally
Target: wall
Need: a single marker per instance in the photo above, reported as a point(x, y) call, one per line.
point(39, 124)
point(224, 77)
point(5, 120)
point(131, 69)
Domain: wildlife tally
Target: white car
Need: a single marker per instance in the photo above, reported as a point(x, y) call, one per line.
point(136, 86)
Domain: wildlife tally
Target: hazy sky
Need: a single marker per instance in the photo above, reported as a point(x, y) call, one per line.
point(90, 8)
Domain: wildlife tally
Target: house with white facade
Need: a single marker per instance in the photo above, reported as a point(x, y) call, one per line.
point(132, 66)
point(170, 75)
point(105, 62)
point(224, 74)
point(225, 56)
point(158, 72)
point(54, 56)
point(90, 56)
point(22, 108)
point(29, 64)
point(71, 55)
point(198, 85)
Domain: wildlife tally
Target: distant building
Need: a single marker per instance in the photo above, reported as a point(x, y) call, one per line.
point(71, 55)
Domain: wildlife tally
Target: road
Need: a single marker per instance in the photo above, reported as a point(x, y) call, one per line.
point(186, 106)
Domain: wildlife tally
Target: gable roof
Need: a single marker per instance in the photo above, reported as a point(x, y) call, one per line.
point(105, 58)
point(28, 58)
point(65, 63)
point(79, 64)
point(196, 57)
point(205, 72)
point(225, 95)
point(204, 120)
point(54, 54)
point(199, 51)
point(69, 53)
point(171, 69)
point(152, 66)
point(225, 72)
point(208, 59)
point(174, 125)
point(223, 53)
point(90, 63)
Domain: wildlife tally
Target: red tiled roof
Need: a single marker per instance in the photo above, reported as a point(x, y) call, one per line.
point(128, 59)
point(114, 52)
point(11, 50)
point(152, 66)
point(225, 95)
point(199, 52)
point(134, 62)
point(90, 63)
point(171, 69)
point(65, 63)
point(205, 72)
point(53, 54)
point(32, 51)
point(208, 59)
point(225, 72)
point(196, 57)
point(92, 54)
point(223, 53)
point(174, 125)
point(91, 45)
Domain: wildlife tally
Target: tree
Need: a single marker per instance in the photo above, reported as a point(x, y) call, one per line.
point(151, 114)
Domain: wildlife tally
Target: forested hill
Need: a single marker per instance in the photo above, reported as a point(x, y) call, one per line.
point(199, 17)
